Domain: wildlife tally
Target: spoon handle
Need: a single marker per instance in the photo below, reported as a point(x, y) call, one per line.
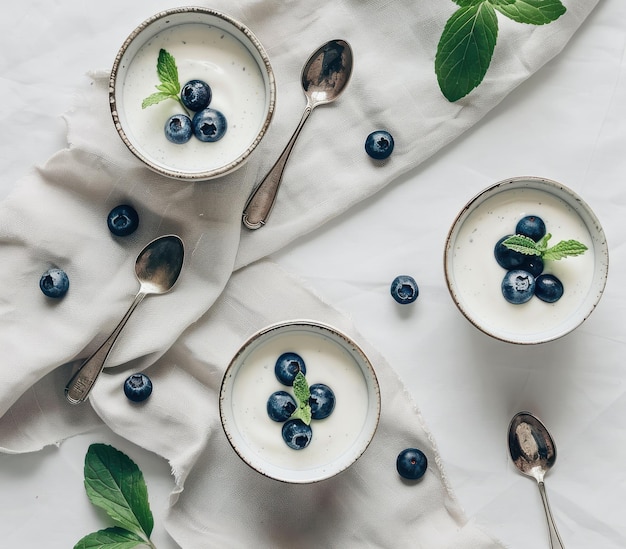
point(262, 199)
point(555, 539)
point(79, 386)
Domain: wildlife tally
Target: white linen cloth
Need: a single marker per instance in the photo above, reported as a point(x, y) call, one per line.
point(56, 216)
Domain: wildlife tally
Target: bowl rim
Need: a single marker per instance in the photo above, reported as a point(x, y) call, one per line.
point(580, 207)
point(113, 102)
point(360, 358)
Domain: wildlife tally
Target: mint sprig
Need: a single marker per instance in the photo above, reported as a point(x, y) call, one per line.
point(469, 39)
point(115, 483)
point(527, 246)
point(302, 394)
point(169, 87)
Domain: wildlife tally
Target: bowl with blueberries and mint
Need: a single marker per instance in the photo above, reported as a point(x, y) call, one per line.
point(299, 402)
point(526, 260)
point(192, 93)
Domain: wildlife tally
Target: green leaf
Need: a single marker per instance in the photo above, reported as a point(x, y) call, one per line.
point(114, 483)
point(522, 244)
point(167, 69)
point(465, 49)
point(565, 248)
point(154, 99)
point(111, 538)
point(302, 394)
point(532, 12)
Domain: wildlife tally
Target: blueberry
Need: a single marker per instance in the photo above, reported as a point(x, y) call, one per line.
point(548, 288)
point(196, 95)
point(518, 286)
point(138, 387)
point(404, 289)
point(280, 406)
point(209, 125)
point(507, 258)
point(322, 400)
point(533, 264)
point(287, 367)
point(178, 129)
point(297, 434)
point(411, 463)
point(54, 283)
point(379, 144)
point(123, 220)
point(531, 226)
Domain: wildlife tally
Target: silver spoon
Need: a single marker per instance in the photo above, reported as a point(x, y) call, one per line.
point(324, 76)
point(533, 452)
point(157, 268)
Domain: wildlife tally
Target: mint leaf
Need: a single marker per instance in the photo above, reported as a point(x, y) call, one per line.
point(522, 244)
point(111, 538)
point(532, 12)
point(302, 394)
point(154, 99)
point(167, 69)
point(114, 483)
point(565, 248)
point(169, 88)
point(465, 49)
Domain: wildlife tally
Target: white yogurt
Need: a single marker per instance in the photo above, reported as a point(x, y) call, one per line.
point(326, 362)
point(202, 52)
point(478, 277)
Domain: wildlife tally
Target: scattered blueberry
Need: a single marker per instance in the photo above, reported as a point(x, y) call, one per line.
point(379, 144)
point(404, 289)
point(209, 125)
point(531, 226)
point(123, 220)
point(280, 406)
point(178, 129)
point(138, 387)
point(54, 283)
point(322, 400)
point(297, 434)
point(518, 286)
point(196, 95)
point(287, 367)
point(548, 288)
point(411, 463)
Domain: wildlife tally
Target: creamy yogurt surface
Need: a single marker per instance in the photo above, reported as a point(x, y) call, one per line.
point(201, 52)
point(326, 362)
point(478, 276)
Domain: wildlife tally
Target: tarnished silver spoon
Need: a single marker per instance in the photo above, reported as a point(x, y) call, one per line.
point(533, 452)
point(324, 76)
point(157, 268)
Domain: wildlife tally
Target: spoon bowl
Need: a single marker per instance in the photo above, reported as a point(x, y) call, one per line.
point(157, 268)
point(324, 77)
point(533, 452)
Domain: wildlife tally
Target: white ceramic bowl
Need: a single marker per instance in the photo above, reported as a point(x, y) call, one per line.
point(331, 358)
point(474, 277)
point(209, 46)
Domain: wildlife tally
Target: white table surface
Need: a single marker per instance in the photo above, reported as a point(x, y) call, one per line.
point(568, 123)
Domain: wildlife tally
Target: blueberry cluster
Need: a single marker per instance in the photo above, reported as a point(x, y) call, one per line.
point(207, 124)
point(281, 404)
point(525, 276)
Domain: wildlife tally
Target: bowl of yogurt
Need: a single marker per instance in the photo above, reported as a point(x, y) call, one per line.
point(475, 279)
point(336, 441)
point(202, 44)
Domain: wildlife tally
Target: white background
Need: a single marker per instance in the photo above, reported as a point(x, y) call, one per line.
point(566, 123)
